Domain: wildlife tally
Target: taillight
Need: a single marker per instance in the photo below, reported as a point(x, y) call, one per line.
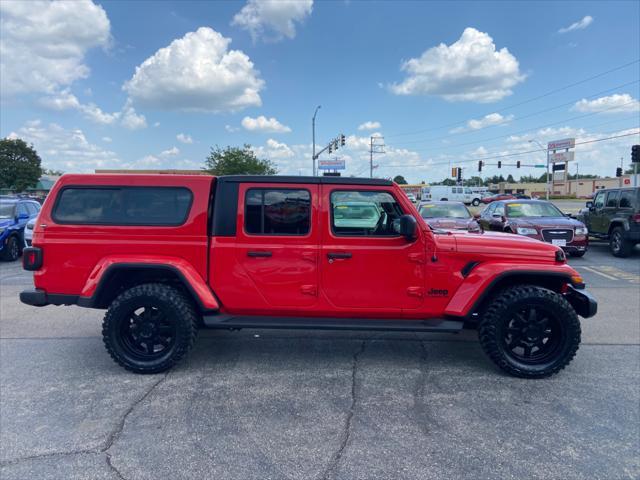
point(32, 258)
point(636, 217)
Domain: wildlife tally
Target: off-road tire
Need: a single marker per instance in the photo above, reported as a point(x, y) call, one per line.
point(618, 245)
point(174, 305)
point(502, 308)
point(11, 250)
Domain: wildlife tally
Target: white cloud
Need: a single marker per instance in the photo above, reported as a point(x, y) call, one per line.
point(66, 149)
point(196, 73)
point(44, 43)
point(172, 152)
point(264, 124)
point(484, 122)
point(272, 20)
point(107, 139)
point(65, 100)
point(184, 138)
point(130, 119)
point(471, 69)
point(616, 103)
point(369, 125)
point(579, 25)
point(231, 129)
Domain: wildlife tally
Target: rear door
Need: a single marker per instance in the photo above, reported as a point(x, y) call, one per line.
point(365, 265)
point(277, 243)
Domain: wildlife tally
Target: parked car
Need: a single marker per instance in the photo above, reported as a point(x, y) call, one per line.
point(537, 219)
point(165, 254)
point(28, 231)
point(496, 197)
point(614, 215)
point(521, 196)
point(448, 216)
point(15, 212)
point(454, 194)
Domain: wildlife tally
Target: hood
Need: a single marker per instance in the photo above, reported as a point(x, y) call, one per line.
point(450, 223)
point(499, 244)
point(545, 222)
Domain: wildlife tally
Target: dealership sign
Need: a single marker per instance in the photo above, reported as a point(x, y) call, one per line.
point(562, 157)
point(335, 164)
point(562, 144)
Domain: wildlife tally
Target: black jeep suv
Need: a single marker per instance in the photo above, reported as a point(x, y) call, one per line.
point(614, 215)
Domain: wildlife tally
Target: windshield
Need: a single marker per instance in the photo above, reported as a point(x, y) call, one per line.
point(7, 210)
point(515, 210)
point(450, 210)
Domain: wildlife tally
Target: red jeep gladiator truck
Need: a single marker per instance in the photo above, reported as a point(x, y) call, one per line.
point(166, 255)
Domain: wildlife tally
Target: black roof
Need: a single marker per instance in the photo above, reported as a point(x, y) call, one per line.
point(301, 179)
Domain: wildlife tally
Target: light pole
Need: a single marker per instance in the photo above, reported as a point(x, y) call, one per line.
point(533, 140)
point(313, 135)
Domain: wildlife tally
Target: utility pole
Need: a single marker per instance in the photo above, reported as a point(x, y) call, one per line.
point(533, 140)
point(374, 148)
point(622, 168)
point(313, 135)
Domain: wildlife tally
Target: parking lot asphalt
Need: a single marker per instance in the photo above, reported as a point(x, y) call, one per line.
point(319, 405)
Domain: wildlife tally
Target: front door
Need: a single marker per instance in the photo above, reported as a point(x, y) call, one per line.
point(277, 244)
point(596, 215)
point(365, 264)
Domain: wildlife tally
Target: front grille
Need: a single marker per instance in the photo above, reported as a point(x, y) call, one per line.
point(557, 234)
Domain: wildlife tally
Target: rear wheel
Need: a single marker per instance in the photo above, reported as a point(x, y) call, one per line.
point(149, 328)
point(618, 245)
point(530, 332)
point(11, 250)
point(475, 202)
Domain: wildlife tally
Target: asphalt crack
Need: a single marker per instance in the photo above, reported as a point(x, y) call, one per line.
point(346, 432)
point(107, 444)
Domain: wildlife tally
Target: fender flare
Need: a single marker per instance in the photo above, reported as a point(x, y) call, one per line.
point(481, 281)
point(194, 283)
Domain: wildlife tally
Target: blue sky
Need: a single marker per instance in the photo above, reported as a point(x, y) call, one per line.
point(156, 84)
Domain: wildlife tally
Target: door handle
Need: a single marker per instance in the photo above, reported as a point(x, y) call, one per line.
point(259, 254)
point(338, 255)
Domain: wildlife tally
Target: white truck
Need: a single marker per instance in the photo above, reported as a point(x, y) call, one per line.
point(454, 194)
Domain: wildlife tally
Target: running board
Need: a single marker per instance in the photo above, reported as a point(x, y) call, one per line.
point(312, 323)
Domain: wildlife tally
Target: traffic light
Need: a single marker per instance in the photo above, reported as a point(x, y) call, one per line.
point(343, 139)
point(459, 174)
point(635, 154)
point(619, 172)
point(335, 145)
point(454, 172)
point(479, 165)
point(330, 147)
point(518, 164)
point(499, 164)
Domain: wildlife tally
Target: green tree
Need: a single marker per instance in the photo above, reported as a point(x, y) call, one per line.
point(19, 165)
point(399, 179)
point(237, 161)
point(510, 179)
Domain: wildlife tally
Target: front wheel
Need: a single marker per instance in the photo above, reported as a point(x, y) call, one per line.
point(530, 331)
point(618, 245)
point(11, 250)
point(475, 202)
point(149, 328)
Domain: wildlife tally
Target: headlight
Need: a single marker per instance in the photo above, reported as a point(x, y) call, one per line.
point(526, 231)
point(582, 231)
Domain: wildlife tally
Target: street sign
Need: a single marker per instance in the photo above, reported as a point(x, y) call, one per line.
point(562, 157)
point(540, 165)
point(562, 144)
point(334, 164)
point(559, 167)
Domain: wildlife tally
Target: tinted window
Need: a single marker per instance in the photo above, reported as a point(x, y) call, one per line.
point(364, 213)
point(627, 199)
point(612, 198)
point(277, 212)
point(123, 205)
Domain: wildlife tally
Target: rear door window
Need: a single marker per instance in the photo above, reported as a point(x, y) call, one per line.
point(152, 206)
point(281, 211)
point(628, 199)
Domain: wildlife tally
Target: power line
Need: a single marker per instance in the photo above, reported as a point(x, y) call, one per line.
point(472, 131)
point(506, 155)
point(620, 67)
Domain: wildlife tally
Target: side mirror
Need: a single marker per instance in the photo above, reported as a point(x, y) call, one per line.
point(406, 226)
point(589, 205)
